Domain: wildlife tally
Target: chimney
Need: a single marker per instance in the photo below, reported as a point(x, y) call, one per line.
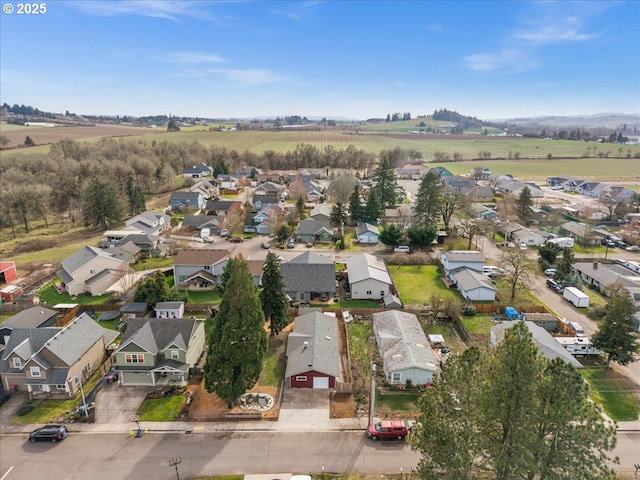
point(595, 265)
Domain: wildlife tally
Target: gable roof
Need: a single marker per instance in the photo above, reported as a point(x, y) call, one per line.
point(468, 279)
point(200, 256)
point(365, 266)
point(29, 318)
point(83, 256)
point(312, 226)
point(402, 342)
point(463, 256)
point(155, 335)
point(313, 345)
point(309, 272)
point(546, 344)
point(180, 195)
point(366, 228)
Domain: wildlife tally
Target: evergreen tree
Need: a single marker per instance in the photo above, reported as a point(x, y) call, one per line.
point(355, 209)
point(422, 235)
point(272, 297)
point(220, 168)
point(429, 199)
point(101, 204)
point(28, 142)
point(283, 232)
point(155, 289)
point(564, 269)
point(134, 193)
point(237, 341)
point(172, 125)
point(385, 182)
point(524, 205)
point(373, 209)
point(338, 215)
point(510, 413)
point(300, 208)
point(616, 336)
point(226, 274)
point(391, 235)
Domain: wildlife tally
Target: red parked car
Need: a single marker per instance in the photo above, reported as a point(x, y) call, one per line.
point(237, 240)
point(397, 429)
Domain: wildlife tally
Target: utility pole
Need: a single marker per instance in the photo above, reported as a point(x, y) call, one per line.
point(372, 399)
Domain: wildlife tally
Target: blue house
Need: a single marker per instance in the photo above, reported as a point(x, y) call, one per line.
point(367, 233)
point(186, 200)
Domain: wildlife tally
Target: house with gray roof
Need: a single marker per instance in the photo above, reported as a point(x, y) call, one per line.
point(455, 259)
point(368, 277)
point(260, 202)
point(313, 352)
point(367, 233)
point(547, 345)
point(199, 268)
point(406, 354)
point(156, 351)
point(34, 317)
point(51, 362)
point(601, 275)
point(308, 277)
point(186, 200)
point(473, 285)
point(197, 171)
point(151, 223)
point(582, 233)
point(313, 230)
point(91, 270)
point(321, 211)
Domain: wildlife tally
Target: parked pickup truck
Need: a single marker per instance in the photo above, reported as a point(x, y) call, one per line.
point(401, 249)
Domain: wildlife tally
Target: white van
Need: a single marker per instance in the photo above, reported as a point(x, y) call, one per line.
point(490, 269)
point(577, 328)
point(401, 249)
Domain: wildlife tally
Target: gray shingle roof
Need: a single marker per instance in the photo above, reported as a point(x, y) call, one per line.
point(310, 226)
point(29, 318)
point(157, 334)
point(464, 256)
point(402, 342)
point(366, 227)
point(547, 345)
point(468, 279)
point(83, 256)
point(313, 345)
point(364, 266)
point(309, 272)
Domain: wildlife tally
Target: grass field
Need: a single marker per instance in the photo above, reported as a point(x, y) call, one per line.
point(161, 409)
point(609, 391)
point(419, 283)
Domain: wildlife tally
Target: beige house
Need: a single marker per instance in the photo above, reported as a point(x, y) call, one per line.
point(91, 270)
point(53, 361)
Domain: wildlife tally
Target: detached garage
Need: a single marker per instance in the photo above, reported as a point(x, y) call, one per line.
point(313, 354)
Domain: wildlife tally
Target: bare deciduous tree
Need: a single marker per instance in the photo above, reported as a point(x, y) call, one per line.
point(518, 270)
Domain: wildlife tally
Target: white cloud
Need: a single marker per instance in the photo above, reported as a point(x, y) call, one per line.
point(509, 60)
point(168, 9)
point(250, 76)
point(554, 34)
point(191, 57)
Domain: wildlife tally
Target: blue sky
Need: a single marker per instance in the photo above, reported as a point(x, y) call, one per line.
point(356, 59)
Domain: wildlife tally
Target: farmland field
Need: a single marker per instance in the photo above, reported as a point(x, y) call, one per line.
point(536, 158)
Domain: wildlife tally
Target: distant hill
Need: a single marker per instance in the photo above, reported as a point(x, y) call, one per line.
point(615, 121)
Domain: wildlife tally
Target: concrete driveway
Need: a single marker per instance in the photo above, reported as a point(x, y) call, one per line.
point(304, 408)
point(115, 404)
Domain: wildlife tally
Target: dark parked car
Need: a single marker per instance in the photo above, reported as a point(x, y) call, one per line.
point(4, 398)
point(49, 433)
point(237, 240)
point(555, 286)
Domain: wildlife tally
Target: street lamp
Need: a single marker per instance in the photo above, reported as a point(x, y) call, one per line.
point(78, 379)
point(506, 233)
point(174, 462)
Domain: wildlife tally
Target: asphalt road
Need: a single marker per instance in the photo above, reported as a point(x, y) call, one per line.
point(114, 457)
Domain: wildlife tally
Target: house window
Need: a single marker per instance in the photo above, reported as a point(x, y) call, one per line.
point(368, 292)
point(301, 378)
point(134, 358)
point(60, 387)
point(92, 271)
point(35, 371)
point(17, 363)
point(207, 268)
point(175, 354)
point(396, 377)
point(87, 367)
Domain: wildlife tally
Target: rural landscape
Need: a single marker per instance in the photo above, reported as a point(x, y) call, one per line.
point(320, 240)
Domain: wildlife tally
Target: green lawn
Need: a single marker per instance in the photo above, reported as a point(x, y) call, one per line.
point(617, 402)
point(478, 324)
point(274, 363)
point(161, 409)
point(419, 283)
point(50, 296)
point(359, 352)
point(598, 249)
point(153, 263)
point(396, 403)
point(204, 296)
point(356, 304)
point(445, 329)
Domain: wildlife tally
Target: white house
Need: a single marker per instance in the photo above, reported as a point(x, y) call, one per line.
point(527, 237)
point(406, 354)
point(473, 285)
point(169, 309)
point(368, 277)
point(367, 233)
point(455, 259)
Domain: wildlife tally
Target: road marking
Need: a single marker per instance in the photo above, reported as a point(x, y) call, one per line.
point(197, 427)
point(8, 472)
